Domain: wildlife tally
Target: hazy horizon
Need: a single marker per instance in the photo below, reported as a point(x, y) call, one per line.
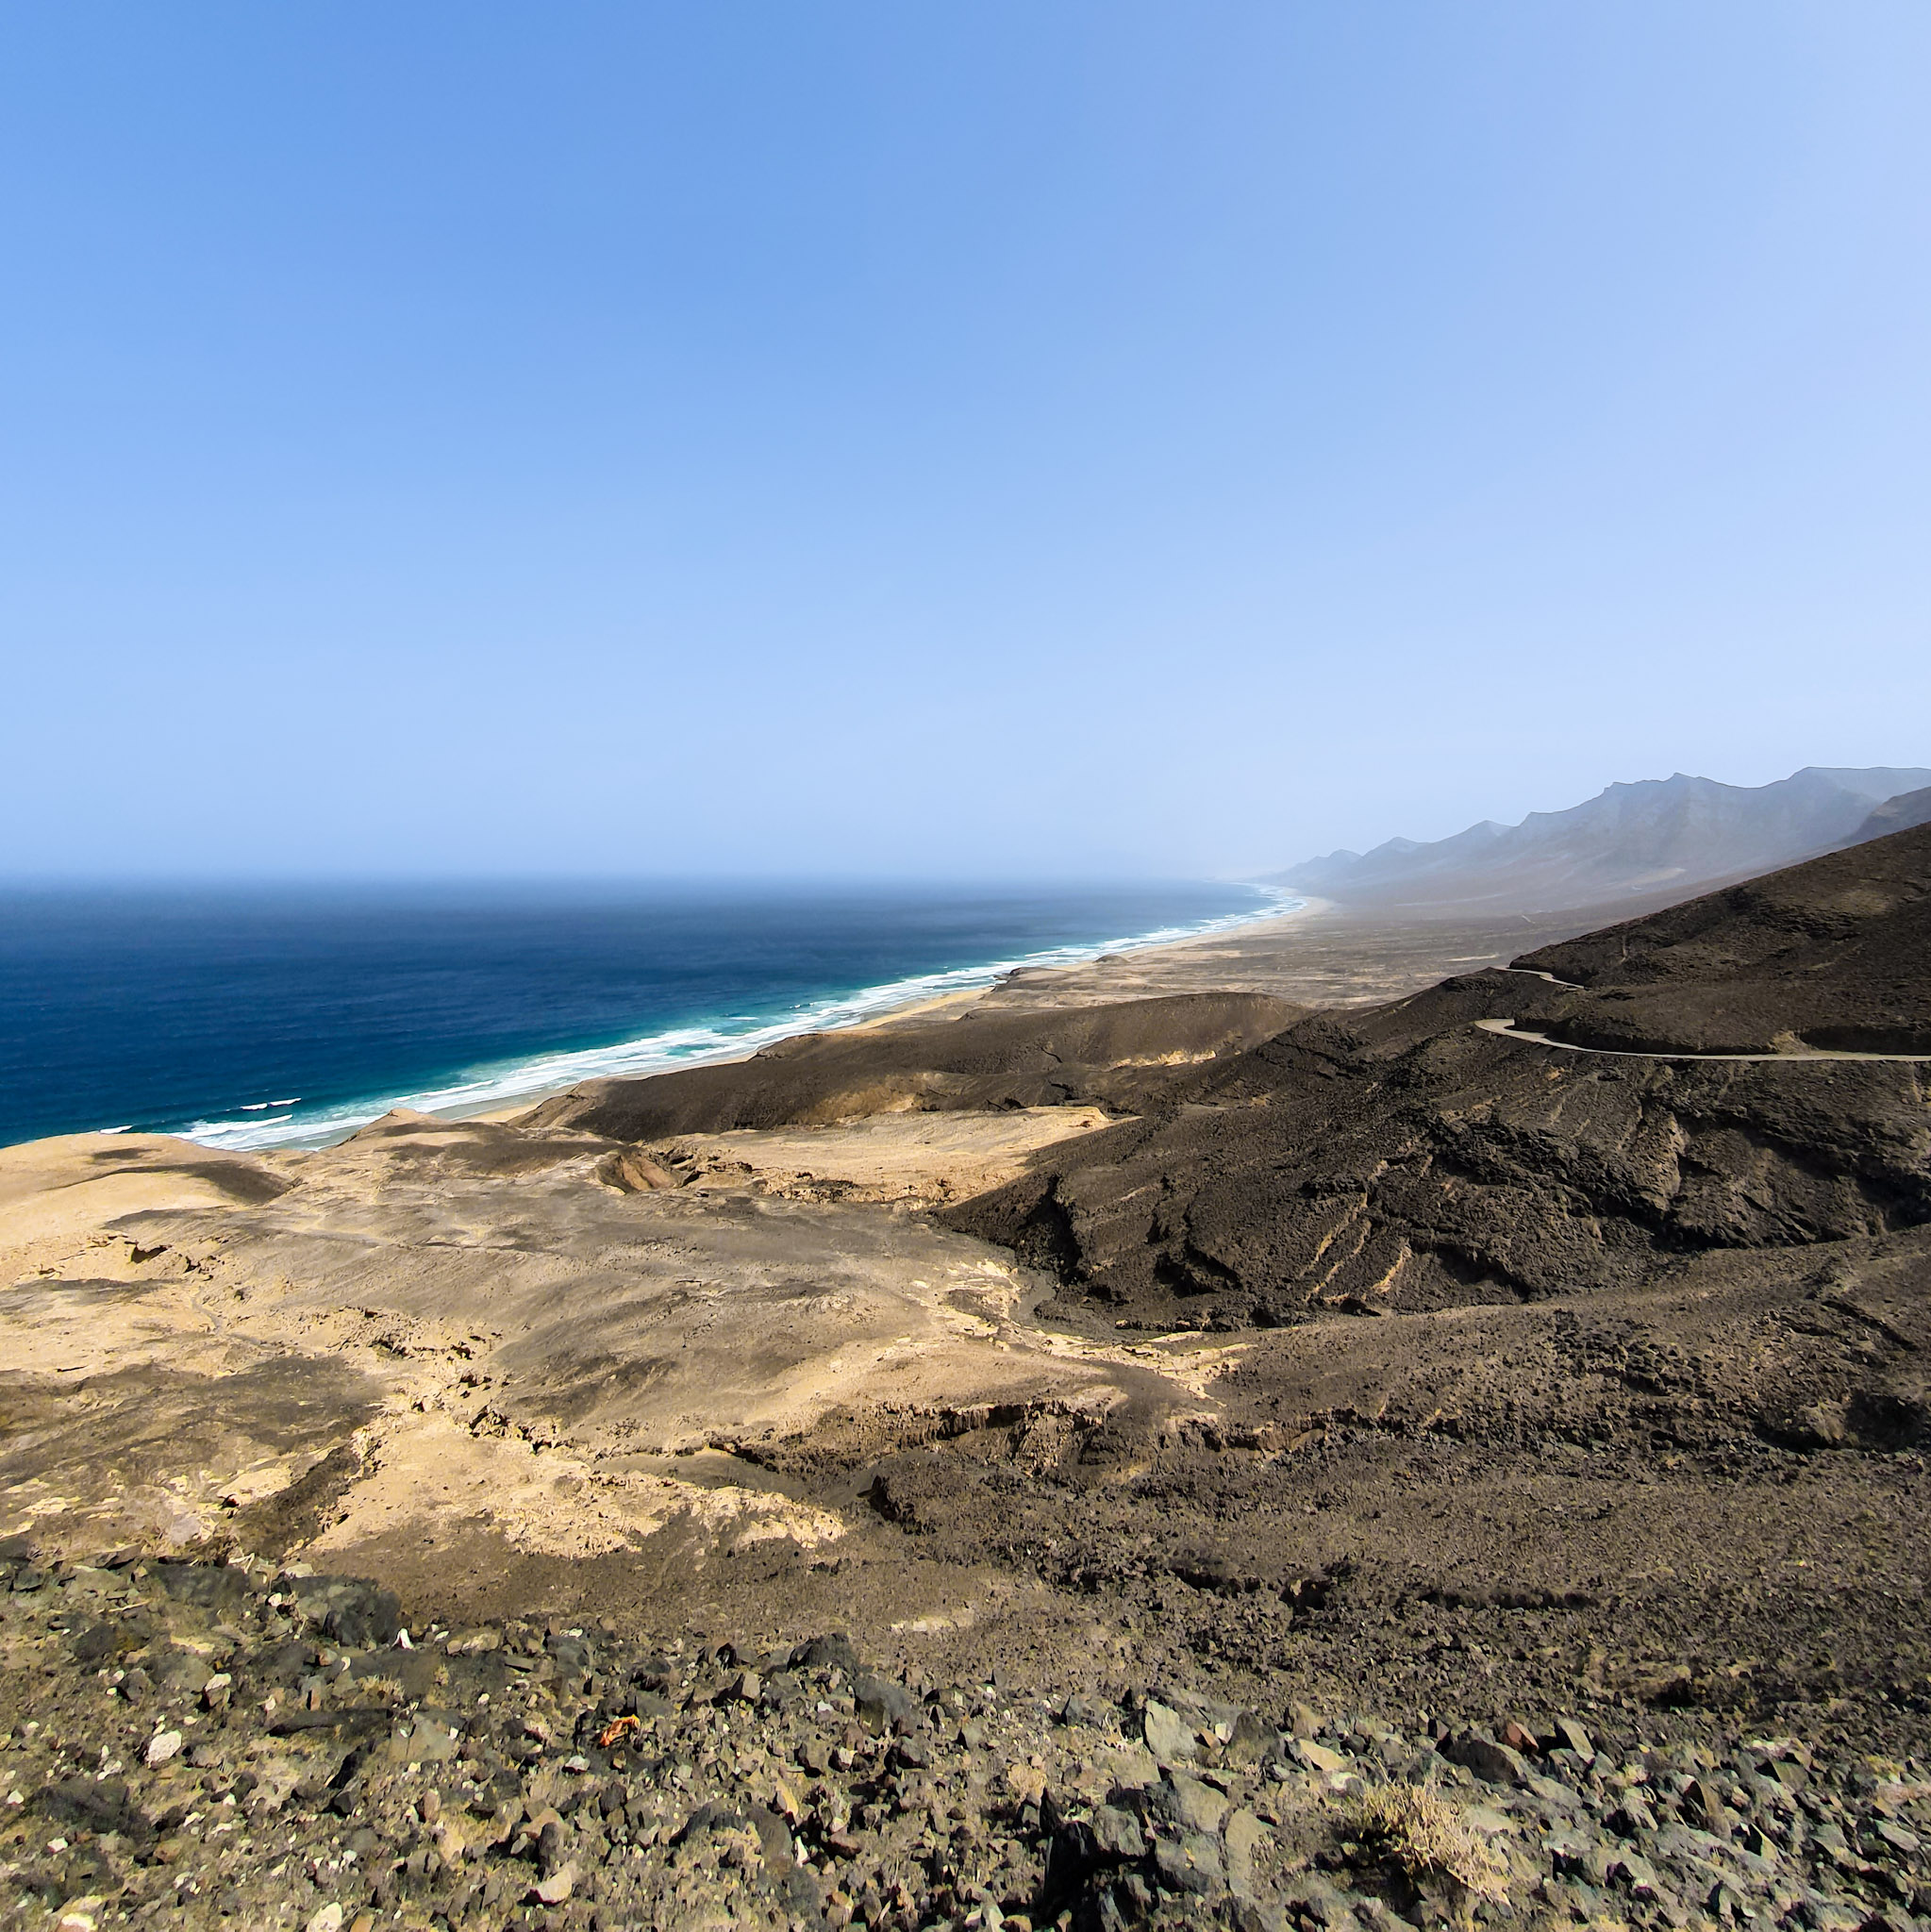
point(1079, 442)
point(723, 885)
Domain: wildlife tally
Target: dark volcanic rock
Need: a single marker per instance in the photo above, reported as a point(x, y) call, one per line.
point(1111, 1056)
point(1405, 1158)
point(524, 1801)
point(1833, 953)
point(1361, 1167)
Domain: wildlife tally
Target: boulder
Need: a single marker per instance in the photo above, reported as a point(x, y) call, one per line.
point(1242, 1839)
point(1187, 1803)
point(1494, 1763)
point(1190, 1865)
point(1169, 1736)
point(884, 1704)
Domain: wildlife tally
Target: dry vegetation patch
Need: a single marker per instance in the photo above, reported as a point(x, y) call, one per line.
point(1427, 1839)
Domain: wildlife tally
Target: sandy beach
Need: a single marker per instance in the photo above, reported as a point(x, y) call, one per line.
point(1315, 956)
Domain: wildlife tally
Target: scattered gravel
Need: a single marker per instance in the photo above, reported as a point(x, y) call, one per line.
point(199, 1744)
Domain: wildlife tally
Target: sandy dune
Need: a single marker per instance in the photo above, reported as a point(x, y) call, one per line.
point(437, 1329)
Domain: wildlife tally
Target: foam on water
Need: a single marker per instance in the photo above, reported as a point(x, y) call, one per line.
point(482, 1089)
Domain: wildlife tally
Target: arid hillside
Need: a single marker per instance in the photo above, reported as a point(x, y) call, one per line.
point(1417, 1155)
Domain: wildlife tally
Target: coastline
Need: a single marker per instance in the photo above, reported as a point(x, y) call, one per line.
point(918, 1008)
point(1055, 984)
point(504, 1093)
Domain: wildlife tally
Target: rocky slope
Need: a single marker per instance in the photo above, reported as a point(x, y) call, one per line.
point(1832, 954)
point(1405, 1158)
point(228, 1745)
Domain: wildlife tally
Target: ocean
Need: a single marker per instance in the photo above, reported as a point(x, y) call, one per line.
point(279, 1017)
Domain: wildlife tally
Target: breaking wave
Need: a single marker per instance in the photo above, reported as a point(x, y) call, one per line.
point(480, 1090)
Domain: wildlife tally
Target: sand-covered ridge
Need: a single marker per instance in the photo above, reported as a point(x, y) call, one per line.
point(442, 1332)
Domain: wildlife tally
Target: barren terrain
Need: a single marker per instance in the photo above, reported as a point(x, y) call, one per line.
point(1146, 1334)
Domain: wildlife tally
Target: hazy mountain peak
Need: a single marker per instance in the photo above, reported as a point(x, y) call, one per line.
point(1654, 838)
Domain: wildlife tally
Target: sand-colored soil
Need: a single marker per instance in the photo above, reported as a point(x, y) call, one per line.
point(61, 1188)
point(1318, 957)
point(443, 1331)
point(921, 1160)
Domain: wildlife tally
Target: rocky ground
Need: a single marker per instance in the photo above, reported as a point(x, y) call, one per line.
point(195, 1744)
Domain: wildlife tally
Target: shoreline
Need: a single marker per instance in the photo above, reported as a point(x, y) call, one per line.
point(499, 1101)
point(953, 1005)
point(956, 1005)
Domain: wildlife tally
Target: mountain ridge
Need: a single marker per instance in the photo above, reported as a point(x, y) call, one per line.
point(1642, 838)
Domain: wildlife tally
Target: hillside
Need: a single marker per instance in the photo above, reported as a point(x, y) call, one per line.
point(1405, 1158)
point(1831, 954)
point(1896, 815)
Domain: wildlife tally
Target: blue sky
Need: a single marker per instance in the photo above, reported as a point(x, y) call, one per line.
point(989, 439)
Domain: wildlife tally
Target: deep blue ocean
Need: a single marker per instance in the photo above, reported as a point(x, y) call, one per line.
point(285, 1017)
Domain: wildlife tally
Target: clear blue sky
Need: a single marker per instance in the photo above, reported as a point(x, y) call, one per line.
point(944, 438)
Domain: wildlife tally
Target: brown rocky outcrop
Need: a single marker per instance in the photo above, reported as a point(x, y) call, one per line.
point(1401, 1157)
point(1113, 1055)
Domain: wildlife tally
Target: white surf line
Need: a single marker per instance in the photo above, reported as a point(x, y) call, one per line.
point(698, 1043)
point(1505, 1029)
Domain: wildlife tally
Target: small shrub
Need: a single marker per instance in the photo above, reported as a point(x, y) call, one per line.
point(1427, 1840)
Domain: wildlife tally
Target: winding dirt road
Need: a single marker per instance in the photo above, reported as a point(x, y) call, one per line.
point(1507, 1029)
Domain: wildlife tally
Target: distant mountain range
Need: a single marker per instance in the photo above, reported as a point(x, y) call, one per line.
point(1652, 842)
